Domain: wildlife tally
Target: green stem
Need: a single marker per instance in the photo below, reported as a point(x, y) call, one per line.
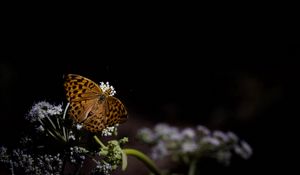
point(57, 135)
point(124, 160)
point(66, 109)
point(192, 168)
point(66, 135)
point(99, 141)
point(51, 122)
point(145, 159)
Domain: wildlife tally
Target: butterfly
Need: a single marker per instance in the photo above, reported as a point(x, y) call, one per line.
point(91, 106)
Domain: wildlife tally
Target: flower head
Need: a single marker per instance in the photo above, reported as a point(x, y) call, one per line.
point(110, 130)
point(221, 136)
point(113, 153)
point(160, 150)
point(146, 135)
point(107, 89)
point(4, 157)
point(102, 168)
point(202, 130)
point(193, 143)
point(189, 147)
point(43, 109)
point(188, 133)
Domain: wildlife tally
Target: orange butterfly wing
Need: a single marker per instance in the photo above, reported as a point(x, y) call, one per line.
point(90, 106)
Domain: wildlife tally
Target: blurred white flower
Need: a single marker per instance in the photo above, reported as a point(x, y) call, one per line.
point(146, 135)
point(244, 150)
point(159, 151)
point(224, 157)
point(189, 147)
point(163, 130)
point(220, 135)
point(188, 133)
point(232, 136)
point(247, 148)
point(203, 130)
point(176, 136)
point(189, 144)
point(210, 141)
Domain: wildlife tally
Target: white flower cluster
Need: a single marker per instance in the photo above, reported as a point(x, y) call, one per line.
point(50, 121)
point(107, 89)
point(102, 168)
point(32, 164)
point(4, 157)
point(190, 143)
point(42, 110)
point(110, 130)
point(77, 154)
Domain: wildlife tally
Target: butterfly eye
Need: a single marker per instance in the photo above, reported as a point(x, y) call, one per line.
point(102, 97)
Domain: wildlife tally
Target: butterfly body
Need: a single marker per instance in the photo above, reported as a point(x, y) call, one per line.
point(91, 106)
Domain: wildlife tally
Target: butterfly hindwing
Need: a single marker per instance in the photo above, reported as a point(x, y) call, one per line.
point(115, 111)
point(79, 110)
point(96, 120)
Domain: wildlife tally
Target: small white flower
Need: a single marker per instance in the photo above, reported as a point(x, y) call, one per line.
point(55, 110)
point(107, 89)
point(71, 136)
point(79, 126)
point(103, 168)
point(40, 128)
point(3, 150)
point(4, 157)
point(25, 140)
point(108, 131)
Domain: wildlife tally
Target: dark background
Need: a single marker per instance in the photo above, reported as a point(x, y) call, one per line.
point(254, 99)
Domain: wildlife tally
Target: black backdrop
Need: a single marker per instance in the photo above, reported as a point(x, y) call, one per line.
point(253, 99)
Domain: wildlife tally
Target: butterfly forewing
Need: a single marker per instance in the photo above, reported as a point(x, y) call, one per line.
point(80, 88)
